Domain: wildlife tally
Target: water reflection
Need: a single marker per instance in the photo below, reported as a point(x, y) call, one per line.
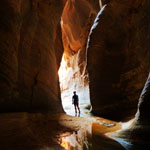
point(99, 134)
point(91, 137)
point(78, 140)
point(127, 145)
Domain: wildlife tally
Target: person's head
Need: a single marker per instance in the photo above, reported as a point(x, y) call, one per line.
point(74, 92)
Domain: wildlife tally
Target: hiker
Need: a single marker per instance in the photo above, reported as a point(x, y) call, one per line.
point(75, 101)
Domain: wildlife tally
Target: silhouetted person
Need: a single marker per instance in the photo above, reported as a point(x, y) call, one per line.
point(75, 101)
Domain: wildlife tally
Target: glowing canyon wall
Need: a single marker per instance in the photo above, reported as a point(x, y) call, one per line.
point(76, 21)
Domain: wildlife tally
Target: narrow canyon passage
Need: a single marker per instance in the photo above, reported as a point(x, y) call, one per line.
point(98, 48)
point(72, 80)
point(76, 21)
point(114, 90)
point(112, 69)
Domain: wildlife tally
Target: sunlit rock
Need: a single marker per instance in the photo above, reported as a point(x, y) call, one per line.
point(76, 21)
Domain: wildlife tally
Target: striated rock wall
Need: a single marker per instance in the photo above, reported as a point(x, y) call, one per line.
point(118, 57)
point(76, 21)
point(28, 59)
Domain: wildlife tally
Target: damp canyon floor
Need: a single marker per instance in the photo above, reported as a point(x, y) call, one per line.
point(45, 131)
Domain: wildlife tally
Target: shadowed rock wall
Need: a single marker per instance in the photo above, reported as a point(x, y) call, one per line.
point(143, 115)
point(118, 57)
point(28, 62)
point(136, 132)
point(139, 131)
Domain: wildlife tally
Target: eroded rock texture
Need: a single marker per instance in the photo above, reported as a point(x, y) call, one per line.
point(118, 57)
point(77, 19)
point(28, 62)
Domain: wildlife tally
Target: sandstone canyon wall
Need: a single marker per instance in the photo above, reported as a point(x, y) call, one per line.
point(143, 115)
point(31, 47)
point(118, 57)
point(28, 58)
point(76, 21)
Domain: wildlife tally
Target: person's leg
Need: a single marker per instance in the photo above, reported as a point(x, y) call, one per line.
point(78, 108)
point(75, 108)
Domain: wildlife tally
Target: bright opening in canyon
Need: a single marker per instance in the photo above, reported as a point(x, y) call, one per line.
point(76, 21)
point(71, 79)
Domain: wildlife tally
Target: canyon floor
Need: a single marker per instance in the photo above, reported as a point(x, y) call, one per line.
point(43, 131)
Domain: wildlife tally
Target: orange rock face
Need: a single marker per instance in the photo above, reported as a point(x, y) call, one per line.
point(77, 18)
point(76, 21)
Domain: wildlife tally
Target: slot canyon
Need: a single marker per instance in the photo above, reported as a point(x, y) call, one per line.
point(50, 48)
